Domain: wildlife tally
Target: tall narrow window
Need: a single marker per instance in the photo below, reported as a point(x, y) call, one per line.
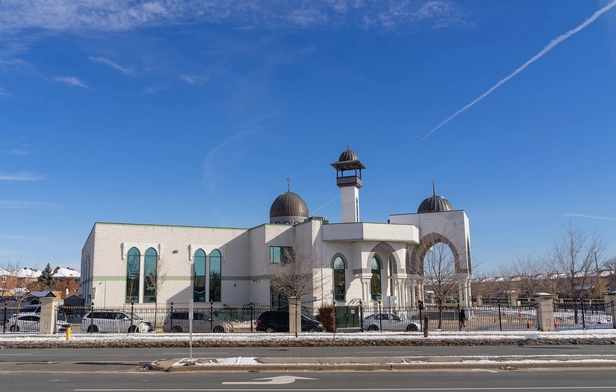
point(339, 279)
point(375, 280)
point(133, 265)
point(215, 276)
point(199, 276)
point(150, 272)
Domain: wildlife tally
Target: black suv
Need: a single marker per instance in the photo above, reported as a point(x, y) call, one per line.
point(278, 321)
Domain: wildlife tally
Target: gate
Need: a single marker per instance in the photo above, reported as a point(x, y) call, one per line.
point(347, 317)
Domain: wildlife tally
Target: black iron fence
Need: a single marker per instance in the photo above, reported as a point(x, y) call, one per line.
point(496, 317)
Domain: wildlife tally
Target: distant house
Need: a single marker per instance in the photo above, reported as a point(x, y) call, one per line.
point(34, 297)
point(74, 300)
point(67, 281)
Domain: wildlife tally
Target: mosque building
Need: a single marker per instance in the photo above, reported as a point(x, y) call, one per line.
point(352, 261)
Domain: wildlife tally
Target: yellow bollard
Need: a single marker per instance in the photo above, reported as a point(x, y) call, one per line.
point(68, 333)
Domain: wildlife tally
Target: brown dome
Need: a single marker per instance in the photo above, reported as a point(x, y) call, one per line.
point(289, 204)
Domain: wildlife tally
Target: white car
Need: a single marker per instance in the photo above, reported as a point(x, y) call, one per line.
point(389, 322)
point(114, 321)
point(31, 323)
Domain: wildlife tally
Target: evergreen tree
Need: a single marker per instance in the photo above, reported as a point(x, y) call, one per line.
point(46, 278)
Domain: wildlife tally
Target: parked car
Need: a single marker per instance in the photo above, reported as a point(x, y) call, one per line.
point(114, 321)
point(389, 322)
point(178, 322)
point(29, 309)
point(31, 323)
point(278, 321)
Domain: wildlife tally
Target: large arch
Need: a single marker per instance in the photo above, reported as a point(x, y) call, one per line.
point(425, 244)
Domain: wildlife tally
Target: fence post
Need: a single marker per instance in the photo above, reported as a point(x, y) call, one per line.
point(211, 315)
point(171, 318)
point(425, 328)
point(500, 320)
point(361, 315)
point(91, 317)
point(583, 315)
point(6, 305)
point(251, 316)
point(420, 305)
point(380, 318)
point(132, 307)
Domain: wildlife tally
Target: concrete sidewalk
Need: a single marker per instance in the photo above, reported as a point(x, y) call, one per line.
point(348, 364)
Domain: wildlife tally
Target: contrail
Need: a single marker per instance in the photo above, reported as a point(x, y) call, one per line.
point(546, 49)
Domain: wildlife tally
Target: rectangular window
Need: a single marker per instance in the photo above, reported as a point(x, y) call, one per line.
point(280, 254)
point(4, 278)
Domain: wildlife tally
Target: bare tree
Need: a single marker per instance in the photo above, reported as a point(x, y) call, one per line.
point(525, 272)
point(575, 254)
point(610, 266)
point(441, 273)
point(18, 283)
point(293, 274)
point(504, 284)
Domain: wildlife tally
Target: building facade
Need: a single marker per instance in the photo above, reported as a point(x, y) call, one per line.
point(351, 261)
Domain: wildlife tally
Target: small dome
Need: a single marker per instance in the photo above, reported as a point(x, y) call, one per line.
point(348, 155)
point(289, 204)
point(435, 203)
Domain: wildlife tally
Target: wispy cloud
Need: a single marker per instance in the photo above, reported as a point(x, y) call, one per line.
point(112, 64)
point(107, 15)
point(20, 177)
point(195, 79)
point(536, 57)
point(16, 152)
point(154, 89)
point(215, 166)
point(29, 205)
point(71, 80)
point(590, 216)
point(3, 93)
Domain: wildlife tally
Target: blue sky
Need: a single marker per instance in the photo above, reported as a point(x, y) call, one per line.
point(189, 112)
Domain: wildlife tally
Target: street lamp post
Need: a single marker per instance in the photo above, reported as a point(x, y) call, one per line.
point(380, 318)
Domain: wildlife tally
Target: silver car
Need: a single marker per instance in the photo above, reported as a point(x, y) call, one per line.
point(114, 321)
point(31, 323)
point(389, 322)
point(177, 322)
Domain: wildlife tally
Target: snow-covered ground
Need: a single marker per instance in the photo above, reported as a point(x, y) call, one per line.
point(262, 339)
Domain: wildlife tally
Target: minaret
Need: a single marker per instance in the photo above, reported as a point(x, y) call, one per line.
point(349, 184)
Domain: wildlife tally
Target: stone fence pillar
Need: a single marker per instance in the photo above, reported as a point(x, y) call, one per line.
point(609, 302)
point(545, 311)
point(49, 314)
point(295, 315)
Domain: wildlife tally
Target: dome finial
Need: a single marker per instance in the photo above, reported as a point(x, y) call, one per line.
point(288, 184)
point(348, 145)
point(433, 188)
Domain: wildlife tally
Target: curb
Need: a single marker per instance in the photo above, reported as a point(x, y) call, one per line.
point(276, 365)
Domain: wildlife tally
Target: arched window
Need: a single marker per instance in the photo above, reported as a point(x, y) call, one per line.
point(339, 279)
point(199, 276)
point(150, 272)
point(133, 265)
point(375, 280)
point(215, 276)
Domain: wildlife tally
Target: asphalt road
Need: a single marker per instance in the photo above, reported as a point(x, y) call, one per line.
point(151, 354)
point(562, 381)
